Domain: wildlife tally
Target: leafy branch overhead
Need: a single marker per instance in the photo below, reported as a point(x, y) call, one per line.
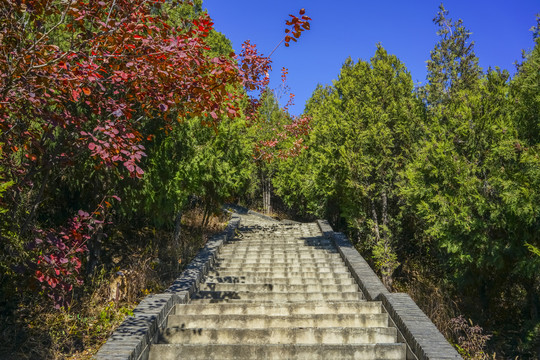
point(94, 88)
point(297, 26)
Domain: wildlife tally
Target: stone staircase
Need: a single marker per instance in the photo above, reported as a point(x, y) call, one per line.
point(278, 291)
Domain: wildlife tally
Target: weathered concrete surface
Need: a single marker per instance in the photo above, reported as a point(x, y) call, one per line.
point(364, 275)
point(133, 337)
point(422, 336)
point(278, 291)
point(280, 351)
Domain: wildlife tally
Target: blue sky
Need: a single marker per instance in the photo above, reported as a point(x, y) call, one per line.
point(500, 30)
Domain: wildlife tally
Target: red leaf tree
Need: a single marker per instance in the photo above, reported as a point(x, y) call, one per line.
point(78, 79)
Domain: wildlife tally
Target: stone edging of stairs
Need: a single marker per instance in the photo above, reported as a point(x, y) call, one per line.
point(132, 339)
point(424, 341)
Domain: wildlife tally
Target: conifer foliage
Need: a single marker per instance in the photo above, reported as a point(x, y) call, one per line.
point(442, 179)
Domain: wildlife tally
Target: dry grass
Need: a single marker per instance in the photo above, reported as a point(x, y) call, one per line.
point(138, 264)
point(427, 291)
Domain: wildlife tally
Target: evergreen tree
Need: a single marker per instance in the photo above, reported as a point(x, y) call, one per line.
point(363, 128)
point(472, 185)
point(525, 90)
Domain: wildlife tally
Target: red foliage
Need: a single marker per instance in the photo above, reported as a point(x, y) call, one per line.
point(287, 141)
point(123, 63)
point(58, 257)
point(297, 26)
point(76, 79)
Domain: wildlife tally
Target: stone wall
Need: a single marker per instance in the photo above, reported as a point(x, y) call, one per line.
point(132, 339)
point(424, 340)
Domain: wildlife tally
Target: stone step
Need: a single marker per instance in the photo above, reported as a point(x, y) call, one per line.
point(279, 247)
point(278, 291)
point(261, 239)
point(264, 288)
point(283, 256)
point(272, 252)
point(276, 261)
point(280, 264)
point(282, 267)
point(293, 335)
point(248, 268)
point(313, 242)
point(280, 280)
point(297, 272)
point(282, 309)
point(278, 352)
point(213, 296)
point(255, 258)
point(279, 321)
point(283, 232)
point(282, 273)
point(231, 263)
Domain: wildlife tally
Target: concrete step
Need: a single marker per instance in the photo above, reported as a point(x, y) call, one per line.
point(279, 248)
point(320, 273)
point(282, 267)
point(277, 261)
point(294, 335)
point(319, 265)
point(291, 239)
point(278, 291)
point(233, 264)
point(282, 273)
point(277, 242)
point(318, 256)
point(279, 321)
point(285, 238)
point(263, 288)
point(282, 309)
point(268, 252)
point(212, 296)
point(279, 352)
point(279, 281)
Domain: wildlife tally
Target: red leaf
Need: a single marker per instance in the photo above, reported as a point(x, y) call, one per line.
point(86, 91)
point(75, 94)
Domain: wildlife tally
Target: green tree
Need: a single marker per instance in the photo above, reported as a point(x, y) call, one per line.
point(453, 65)
point(525, 92)
point(472, 185)
point(363, 130)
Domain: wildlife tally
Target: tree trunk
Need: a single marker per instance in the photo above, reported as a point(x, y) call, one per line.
point(375, 221)
point(94, 251)
point(266, 185)
point(36, 203)
point(382, 238)
point(205, 214)
point(384, 212)
point(176, 239)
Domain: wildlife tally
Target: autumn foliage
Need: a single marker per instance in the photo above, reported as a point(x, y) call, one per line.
point(79, 83)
